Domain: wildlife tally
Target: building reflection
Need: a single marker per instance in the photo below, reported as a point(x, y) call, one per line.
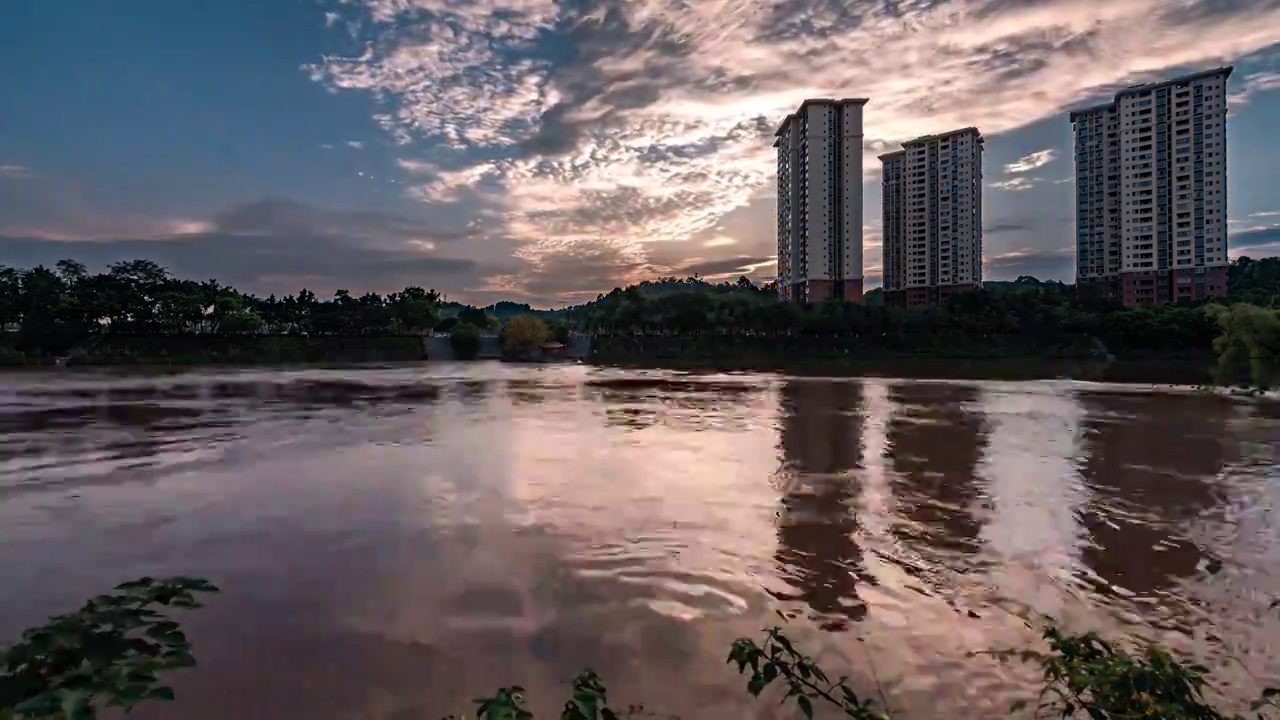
point(1151, 462)
point(637, 403)
point(821, 449)
point(934, 442)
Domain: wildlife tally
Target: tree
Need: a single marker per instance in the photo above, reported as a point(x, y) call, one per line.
point(465, 341)
point(1249, 346)
point(558, 330)
point(523, 335)
point(474, 317)
point(415, 309)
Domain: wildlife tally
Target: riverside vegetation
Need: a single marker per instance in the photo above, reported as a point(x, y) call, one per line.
point(138, 312)
point(112, 651)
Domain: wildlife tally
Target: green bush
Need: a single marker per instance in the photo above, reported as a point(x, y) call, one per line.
point(465, 340)
point(111, 652)
point(108, 653)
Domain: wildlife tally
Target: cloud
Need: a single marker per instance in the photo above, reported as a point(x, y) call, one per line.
point(1053, 264)
point(1251, 85)
point(280, 246)
point(419, 167)
point(1268, 213)
point(16, 172)
point(1254, 237)
point(720, 241)
point(1015, 184)
point(1030, 161)
point(742, 265)
point(648, 121)
point(1006, 227)
point(355, 144)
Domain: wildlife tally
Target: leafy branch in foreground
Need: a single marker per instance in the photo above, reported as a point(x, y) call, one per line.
point(805, 681)
point(1086, 675)
point(110, 651)
point(589, 702)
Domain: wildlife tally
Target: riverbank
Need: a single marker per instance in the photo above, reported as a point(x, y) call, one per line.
point(1084, 360)
point(228, 350)
point(798, 355)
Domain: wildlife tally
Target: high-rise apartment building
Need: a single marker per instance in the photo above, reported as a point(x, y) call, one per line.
point(1151, 191)
point(932, 215)
point(820, 201)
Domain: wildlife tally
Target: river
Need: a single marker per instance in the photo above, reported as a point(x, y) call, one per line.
point(393, 542)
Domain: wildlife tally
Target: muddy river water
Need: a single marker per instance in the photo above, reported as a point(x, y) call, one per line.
point(393, 542)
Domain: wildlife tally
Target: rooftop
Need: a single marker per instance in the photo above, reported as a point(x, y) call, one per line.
point(818, 101)
point(1145, 87)
point(949, 133)
point(930, 138)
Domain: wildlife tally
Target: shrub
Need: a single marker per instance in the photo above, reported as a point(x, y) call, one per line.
point(109, 652)
point(465, 340)
point(523, 335)
point(112, 650)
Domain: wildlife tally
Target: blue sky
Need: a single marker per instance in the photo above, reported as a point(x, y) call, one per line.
point(548, 150)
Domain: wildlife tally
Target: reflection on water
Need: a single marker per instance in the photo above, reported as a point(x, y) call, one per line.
point(936, 439)
point(395, 541)
point(1152, 464)
point(820, 429)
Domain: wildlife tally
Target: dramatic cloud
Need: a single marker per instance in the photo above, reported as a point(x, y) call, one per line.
point(717, 269)
point(643, 122)
point(721, 241)
point(1030, 162)
point(276, 246)
point(1254, 237)
point(1252, 85)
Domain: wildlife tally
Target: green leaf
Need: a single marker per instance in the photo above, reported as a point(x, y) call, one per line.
point(806, 706)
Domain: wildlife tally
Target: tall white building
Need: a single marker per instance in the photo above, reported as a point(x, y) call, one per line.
point(820, 201)
point(1151, 191)
point(932, 215)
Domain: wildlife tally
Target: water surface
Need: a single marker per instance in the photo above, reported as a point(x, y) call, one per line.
point(393, 542)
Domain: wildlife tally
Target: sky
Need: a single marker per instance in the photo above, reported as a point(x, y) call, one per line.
point(545, 151)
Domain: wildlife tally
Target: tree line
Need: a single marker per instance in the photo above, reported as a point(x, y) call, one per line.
point(49, 310)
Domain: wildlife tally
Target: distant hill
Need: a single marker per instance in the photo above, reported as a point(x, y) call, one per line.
point(505, 310)
point(1025, 282)
point(1255, 281)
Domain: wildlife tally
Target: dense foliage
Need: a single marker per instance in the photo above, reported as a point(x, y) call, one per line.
point(110, 654)
point(54, 309)
point(465, 341)
point(1249, 345)
point(523, 335)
